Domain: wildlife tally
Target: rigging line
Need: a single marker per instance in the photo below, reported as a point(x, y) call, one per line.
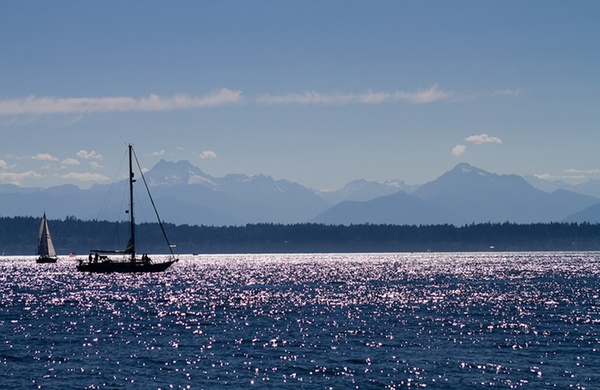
point(152, 201)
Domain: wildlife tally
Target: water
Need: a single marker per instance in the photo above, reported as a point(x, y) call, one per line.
point(450, 321)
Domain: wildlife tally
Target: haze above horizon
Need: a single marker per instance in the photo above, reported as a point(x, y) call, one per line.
point(316, 93)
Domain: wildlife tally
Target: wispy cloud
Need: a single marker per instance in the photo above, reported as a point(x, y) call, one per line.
point(17, 178)
point(544, 176)
point(459, 150)
point(36, 106)
point(96, 165)
point(89, 155)
point(51, 105)
point(483, 139)
point(159, 153)
point(430, 95)
point(86, 176)
point(69, 162)
point(572, 178)
point(582, 171)
point(476, 139)
point(208, 154)
point(44, 157)
point(509, 92)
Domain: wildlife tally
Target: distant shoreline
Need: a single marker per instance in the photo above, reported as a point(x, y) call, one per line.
point(18, 236)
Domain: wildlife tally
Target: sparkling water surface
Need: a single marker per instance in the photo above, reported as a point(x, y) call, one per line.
point(435, 320)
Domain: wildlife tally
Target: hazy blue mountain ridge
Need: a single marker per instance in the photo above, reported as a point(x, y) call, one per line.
point(480, 196)
point(194, 197)
point(168, 173)
point(465, 194)
point(185, 194)
point(364, 190)
point(590, 215)
point(589, 187)
point(398, 208)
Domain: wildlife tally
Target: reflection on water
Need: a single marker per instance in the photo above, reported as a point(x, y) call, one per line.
point(333, 320)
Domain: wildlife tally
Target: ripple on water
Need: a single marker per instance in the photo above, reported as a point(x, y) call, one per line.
point(338, 320)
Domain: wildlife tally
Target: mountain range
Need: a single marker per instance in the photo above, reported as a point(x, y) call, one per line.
point(185, 194)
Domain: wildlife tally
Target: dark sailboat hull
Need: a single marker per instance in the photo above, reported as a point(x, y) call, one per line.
point(103, 264)
point(44, 260)
point(109, 266)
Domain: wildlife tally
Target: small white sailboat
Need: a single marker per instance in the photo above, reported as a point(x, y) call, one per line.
point(45, 251)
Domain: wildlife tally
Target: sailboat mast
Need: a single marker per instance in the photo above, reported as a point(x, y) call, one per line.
point(131, 217)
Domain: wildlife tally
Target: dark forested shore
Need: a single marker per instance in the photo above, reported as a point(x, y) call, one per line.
point(18, 236)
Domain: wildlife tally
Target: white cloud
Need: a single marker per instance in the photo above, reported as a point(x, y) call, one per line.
point(582, 171)
point(477, 139)
point(33, 105)
point(458, 150)
point(544, 176)
point(509, 92)
point(16, 178)
point(573, 179)
point(427, 96)
point(96, 165)
point(208, 154)
point(44, 157)
point(87, 176)
point(483, 139)
point(311, 97)
point(3, 164)
point(89, 155)
point(159, 153)
point(69, 162)
point(51, 105)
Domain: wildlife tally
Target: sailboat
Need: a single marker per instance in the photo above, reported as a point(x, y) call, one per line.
point(45, 250)
point(100, 260)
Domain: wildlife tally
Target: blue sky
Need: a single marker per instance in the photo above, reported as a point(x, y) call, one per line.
point(319, 93)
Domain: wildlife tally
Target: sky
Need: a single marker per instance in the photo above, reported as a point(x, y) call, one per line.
point(318, 93)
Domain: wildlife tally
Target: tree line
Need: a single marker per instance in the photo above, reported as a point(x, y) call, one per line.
point(18, 236)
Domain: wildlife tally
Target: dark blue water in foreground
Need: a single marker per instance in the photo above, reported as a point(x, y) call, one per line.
point(451, 321)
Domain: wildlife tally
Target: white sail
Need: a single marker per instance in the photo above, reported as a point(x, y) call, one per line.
point(45, 245)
